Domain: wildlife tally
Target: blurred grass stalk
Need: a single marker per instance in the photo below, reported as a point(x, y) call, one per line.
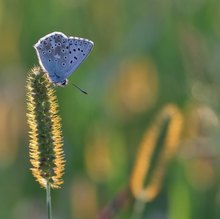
point(156, 150)
point(45, 146)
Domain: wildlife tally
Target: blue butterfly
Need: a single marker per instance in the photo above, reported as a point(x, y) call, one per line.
point(59, 55)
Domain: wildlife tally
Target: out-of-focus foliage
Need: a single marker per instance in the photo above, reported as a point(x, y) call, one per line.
point(147, 53)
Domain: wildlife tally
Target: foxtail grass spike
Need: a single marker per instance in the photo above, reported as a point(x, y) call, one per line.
point(157, 148)
point(46, 141)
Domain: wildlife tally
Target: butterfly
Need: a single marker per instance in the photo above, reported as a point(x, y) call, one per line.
point(59, 55)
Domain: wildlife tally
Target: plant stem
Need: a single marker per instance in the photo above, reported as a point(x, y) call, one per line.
point(49, 208)
point(138, 209)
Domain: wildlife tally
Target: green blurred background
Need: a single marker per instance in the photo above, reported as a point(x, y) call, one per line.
point(147, 53)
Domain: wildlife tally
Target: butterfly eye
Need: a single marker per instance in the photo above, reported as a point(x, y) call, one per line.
point(64, 83)
point(74, 50)
point(51, 47)
point(63, 50)
point(63, 64)
point(59, 44)
point(71, 61)
point(49, 51)
point(49, 60)
point(65, 57)
point(75, 58)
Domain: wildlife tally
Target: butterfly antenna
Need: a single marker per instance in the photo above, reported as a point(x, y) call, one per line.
point(83, 91)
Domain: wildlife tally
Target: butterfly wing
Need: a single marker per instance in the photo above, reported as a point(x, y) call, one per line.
point(46, 52)
point(76, 51)
point(60, 56)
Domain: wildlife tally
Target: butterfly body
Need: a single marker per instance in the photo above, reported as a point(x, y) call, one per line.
point(59, 55)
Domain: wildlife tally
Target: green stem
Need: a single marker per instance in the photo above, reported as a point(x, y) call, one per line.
point(138, 210)
point(49, 208)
